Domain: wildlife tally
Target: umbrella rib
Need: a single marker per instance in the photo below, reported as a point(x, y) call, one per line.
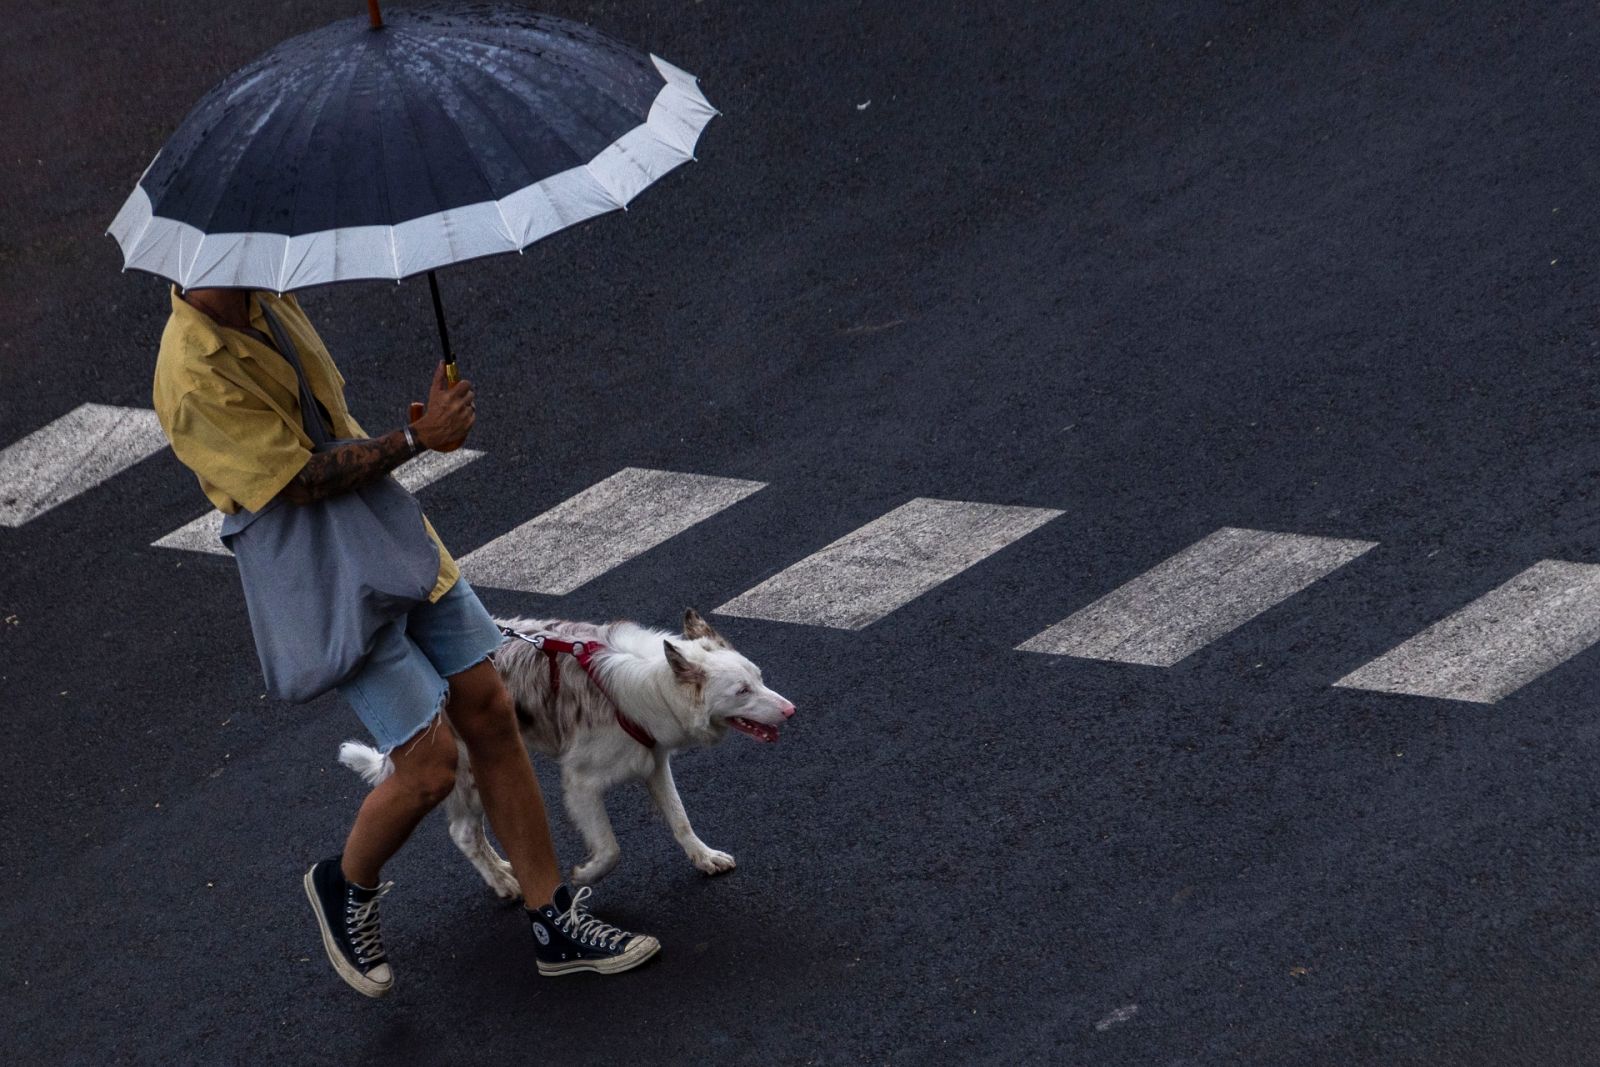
point(149, 217)
point(289, 124)
point(433, 185)
point(278, 104)
point(383, 187)
point(283, 265)
point(536, 89)
point(595, 74)
point(477, 164)
point(223, 187)
point(329, 85)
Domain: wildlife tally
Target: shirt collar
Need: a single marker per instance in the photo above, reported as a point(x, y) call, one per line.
point(199, 323)
point(206, 338)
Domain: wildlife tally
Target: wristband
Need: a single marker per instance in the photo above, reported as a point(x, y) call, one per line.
point(411, 439)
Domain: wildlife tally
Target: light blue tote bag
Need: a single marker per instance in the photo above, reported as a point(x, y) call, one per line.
point(320, 579)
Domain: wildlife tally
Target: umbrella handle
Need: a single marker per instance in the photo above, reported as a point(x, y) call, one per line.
point(450, 374)
point(374, 14)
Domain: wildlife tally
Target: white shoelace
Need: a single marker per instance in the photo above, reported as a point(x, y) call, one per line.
point(361, 922)
point(582, 926)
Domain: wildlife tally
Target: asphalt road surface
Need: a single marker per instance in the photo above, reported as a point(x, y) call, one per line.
point(1153, 445)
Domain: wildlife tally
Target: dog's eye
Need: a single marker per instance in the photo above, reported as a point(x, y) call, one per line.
point(745, 688)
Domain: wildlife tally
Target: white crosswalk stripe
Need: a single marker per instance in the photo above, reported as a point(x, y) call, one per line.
point(197, 536)
point(606, 525)
point(201, 534)
point(1498, 643)
point(887, 563)
point(1482, 653)
point(74, 453)
point(1219, 583)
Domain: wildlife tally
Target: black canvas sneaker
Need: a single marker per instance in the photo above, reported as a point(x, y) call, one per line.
point(348, 916)
point(568, 939)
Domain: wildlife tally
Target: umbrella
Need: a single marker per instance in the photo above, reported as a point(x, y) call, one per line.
point(384, 148)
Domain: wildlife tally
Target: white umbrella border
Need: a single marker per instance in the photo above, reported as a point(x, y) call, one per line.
point(281, 263)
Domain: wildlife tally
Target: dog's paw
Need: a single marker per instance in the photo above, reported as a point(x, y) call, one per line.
point(595, 869)
point(503, 882)
point(713, 862)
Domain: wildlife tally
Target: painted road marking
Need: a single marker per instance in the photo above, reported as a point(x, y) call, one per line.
point(887, 563)
point(201, 535)
point(197, 536)
point(607, 524)
point(75, 453)
point(1499, 642)
point(1190, 600)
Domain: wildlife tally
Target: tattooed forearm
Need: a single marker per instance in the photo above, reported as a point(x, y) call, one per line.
point(346, 467)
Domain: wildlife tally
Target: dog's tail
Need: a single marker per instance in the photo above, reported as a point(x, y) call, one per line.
point(369, 763)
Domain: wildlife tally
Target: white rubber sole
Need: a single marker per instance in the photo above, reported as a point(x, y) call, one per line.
point(353, 978)
point(641, 949)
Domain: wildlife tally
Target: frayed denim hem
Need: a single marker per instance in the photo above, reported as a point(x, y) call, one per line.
point(432, 722)
point(481, 659)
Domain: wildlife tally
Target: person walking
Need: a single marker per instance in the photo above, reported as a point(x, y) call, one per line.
point(229, 402)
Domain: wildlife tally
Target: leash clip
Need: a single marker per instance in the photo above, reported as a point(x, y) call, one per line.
point(537, 640)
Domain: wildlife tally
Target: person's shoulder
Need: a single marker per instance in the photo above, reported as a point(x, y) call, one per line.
point(301, 323)
point(189, 333)
point(287, 306)
point(188, 352)
point(286, 303)
point(209, 391)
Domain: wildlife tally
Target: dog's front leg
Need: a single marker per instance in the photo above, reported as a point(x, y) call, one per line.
point(586, 803)
point(464, 808)
point(664, 791)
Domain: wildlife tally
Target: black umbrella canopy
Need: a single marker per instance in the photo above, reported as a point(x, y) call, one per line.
point(453, 96)
point(356, 151)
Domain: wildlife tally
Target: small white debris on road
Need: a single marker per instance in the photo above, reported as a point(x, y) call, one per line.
point(1121, 1015)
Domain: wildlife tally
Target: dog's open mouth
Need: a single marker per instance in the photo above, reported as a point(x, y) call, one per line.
point(758, 730)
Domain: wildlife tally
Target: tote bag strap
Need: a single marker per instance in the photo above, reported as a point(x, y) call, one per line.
point(310, 414)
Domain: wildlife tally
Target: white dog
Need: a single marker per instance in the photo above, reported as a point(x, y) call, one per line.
point(655, 694)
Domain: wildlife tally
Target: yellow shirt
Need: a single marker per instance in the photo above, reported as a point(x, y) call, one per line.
point(230, 405)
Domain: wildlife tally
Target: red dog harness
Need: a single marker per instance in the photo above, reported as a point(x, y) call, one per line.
point(584, 652)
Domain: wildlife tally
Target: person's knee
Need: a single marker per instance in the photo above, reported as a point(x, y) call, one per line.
point(430, 772)
point(485, 717)
point(433, 783)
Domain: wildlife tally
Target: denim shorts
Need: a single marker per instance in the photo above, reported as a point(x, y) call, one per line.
point(403, 684)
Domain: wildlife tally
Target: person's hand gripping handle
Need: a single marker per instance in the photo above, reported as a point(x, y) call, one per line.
point(444, 422)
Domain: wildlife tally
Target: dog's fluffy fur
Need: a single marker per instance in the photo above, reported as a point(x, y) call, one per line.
point(684, 690)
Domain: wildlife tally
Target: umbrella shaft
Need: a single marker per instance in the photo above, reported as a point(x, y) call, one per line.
point(374, 14)
point(444, 334)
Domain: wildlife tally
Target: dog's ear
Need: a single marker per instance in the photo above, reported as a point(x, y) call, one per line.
point(686, 672)
point(695, 627)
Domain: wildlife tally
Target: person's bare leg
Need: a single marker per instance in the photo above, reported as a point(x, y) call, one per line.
point(424, 774)
point(480, 710)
